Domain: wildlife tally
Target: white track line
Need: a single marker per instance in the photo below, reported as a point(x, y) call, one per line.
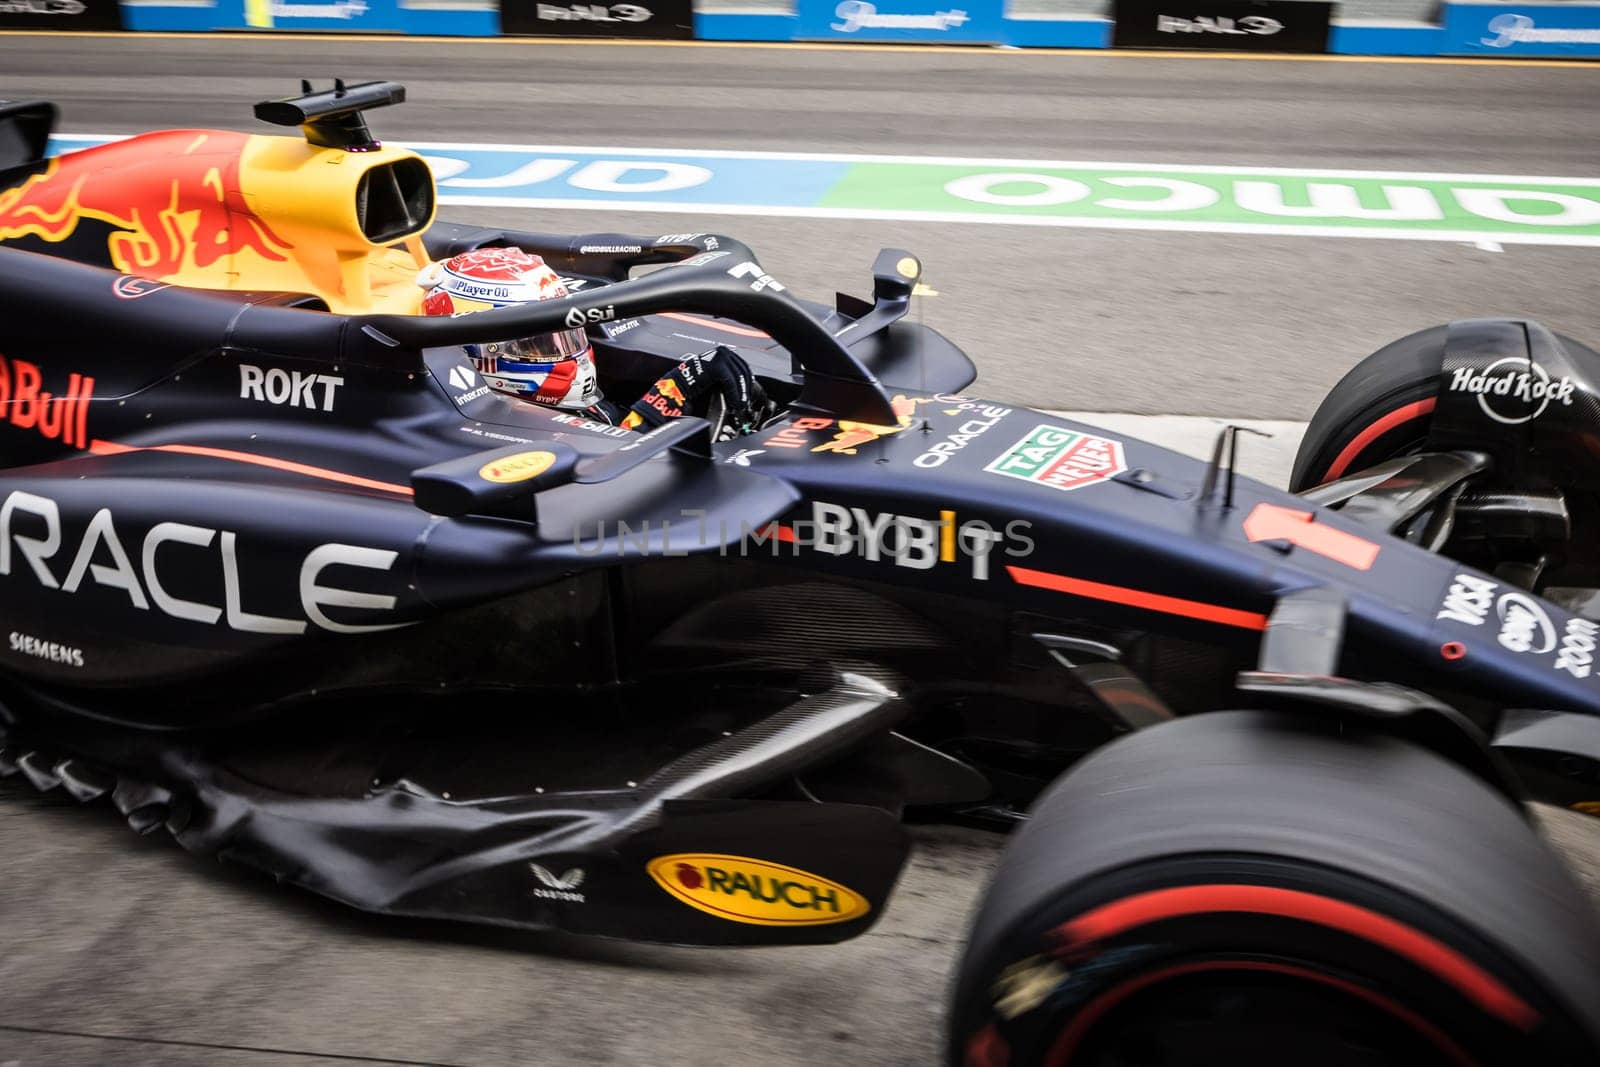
point(978, 216)
point(951, 161)
point(1248, 229)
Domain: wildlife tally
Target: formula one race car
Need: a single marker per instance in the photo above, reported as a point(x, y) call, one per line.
point(279, 574)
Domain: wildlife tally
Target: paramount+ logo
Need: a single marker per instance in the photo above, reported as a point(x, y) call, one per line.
point(745, 890)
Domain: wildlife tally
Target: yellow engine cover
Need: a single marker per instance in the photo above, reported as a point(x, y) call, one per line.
point(216, 209)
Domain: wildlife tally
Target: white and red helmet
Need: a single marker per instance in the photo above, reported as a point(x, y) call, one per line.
point(556, 369)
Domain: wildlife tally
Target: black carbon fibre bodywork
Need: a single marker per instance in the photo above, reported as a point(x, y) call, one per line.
point(1530, 398)
point(300, 588)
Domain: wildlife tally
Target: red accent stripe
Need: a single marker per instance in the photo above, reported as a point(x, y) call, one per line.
point(111, 448)
point(725, 327)
point(1471, 980)
point(1398, 417)
point(1066, 1044)
point(1138, 598)
point(779, 532)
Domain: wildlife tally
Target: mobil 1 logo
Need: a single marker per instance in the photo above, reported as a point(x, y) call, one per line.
point(1230, 25)
point(657, 19)
point(60, 15)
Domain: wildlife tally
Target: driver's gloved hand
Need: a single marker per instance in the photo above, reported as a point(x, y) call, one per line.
point(746, 405)
point(721, 372)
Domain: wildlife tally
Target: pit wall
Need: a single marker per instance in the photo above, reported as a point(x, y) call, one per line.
point(1564, 30)
point(1495, 30)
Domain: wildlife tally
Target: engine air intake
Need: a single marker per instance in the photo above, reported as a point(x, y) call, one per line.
point(394, 200)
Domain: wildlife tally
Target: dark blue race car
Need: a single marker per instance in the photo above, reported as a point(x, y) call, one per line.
point(280, 574)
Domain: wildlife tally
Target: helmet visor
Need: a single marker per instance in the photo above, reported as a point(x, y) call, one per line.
point(542, 348)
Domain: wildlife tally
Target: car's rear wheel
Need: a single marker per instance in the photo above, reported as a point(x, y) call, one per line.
point(1250, 888)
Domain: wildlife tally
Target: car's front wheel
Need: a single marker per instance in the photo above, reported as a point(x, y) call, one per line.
point(1381, 409)
point(1254, 888)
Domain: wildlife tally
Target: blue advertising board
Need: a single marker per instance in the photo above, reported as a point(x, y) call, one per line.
point(925, 21)
point(1502, 29)
point(314, 16)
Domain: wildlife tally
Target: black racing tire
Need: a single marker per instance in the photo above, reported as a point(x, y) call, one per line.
point(1377, 411)
point(1383, 408)
point(1256, 888)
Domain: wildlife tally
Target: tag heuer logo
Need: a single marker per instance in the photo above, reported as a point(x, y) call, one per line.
point(1061, 458)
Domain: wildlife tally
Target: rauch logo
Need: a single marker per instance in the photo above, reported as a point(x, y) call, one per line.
point(755, 891)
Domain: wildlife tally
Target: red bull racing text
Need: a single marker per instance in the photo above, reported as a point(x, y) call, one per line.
point(27, 405)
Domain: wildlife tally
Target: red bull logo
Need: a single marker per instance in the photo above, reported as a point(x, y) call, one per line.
point(173, 198)
point(848, 435)
point(27, 405)
point(669, 388)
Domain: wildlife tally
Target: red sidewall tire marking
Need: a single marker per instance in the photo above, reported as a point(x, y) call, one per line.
point(1432, 955)
point(1398, 417)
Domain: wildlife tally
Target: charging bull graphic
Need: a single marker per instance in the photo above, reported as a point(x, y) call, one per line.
point(669, 388)
point(173, 200)
point(852, 435)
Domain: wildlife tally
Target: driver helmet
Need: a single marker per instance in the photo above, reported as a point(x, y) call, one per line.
point(556, 369)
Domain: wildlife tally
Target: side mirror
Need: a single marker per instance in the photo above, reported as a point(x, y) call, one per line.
point(894, 275)
point(25, 128)
point(506, 481)
point(500, 481)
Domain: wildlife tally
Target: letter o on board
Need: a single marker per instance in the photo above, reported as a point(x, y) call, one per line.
point(1050, 189)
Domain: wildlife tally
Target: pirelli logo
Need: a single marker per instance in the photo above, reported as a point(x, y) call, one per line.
point(26, 404)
